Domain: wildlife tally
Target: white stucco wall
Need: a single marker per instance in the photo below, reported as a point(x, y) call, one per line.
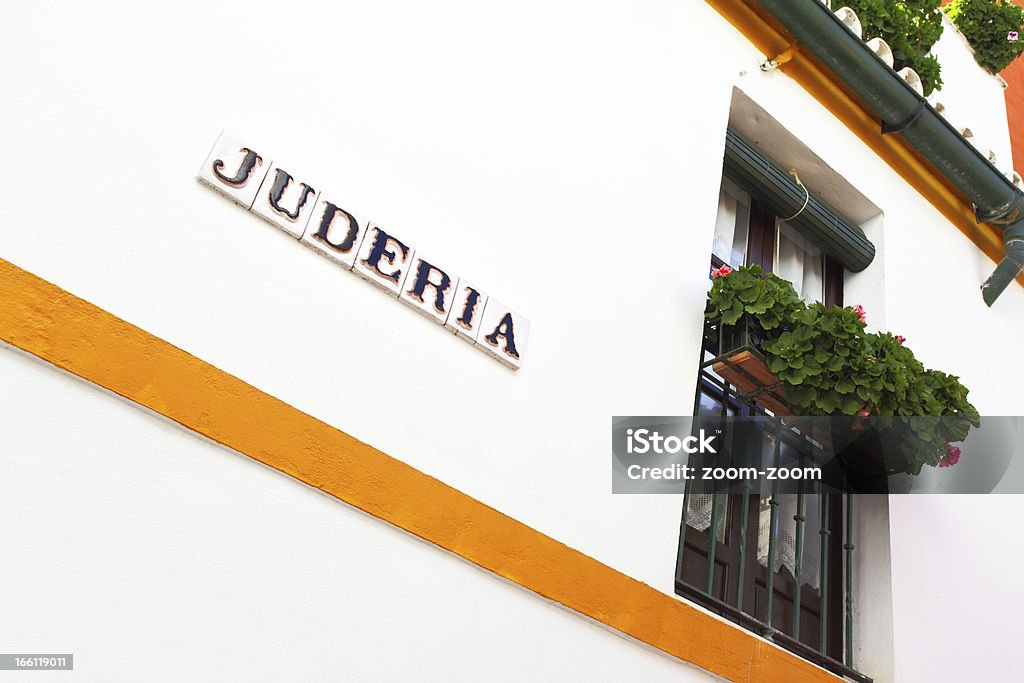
point(971, 96)
point(564, 155)
point(154, 555)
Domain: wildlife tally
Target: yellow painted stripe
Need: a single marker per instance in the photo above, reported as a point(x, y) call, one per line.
point(764, 32)
point(87, 341)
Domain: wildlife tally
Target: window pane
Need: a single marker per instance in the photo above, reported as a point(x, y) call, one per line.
point(711, 404)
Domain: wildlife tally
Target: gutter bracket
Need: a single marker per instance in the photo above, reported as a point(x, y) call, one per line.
point(888, 129)
point(1002, 217)
point(780, 59)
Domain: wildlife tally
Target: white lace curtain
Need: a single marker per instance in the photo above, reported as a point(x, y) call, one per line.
point(698, 516)
point(731, 225)
point(798, 260)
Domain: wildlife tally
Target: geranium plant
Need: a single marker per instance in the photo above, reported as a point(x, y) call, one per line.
point(992, 27)
point(828, 364)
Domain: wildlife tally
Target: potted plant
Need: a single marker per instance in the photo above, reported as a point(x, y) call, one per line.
point(743, 311)
point(812, 360)
point(992, 27)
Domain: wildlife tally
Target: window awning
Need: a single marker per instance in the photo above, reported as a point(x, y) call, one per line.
point(763, 178)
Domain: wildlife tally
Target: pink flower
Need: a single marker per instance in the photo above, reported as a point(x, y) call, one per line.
point(1012, 36)
point(952, 456)
point(858, 424)
point(900, 338)
point(720, 272)
point(859, 310)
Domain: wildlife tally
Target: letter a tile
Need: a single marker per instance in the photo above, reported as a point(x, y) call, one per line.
point(503, 333)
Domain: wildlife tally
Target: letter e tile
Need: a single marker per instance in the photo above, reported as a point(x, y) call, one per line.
point(383, 259)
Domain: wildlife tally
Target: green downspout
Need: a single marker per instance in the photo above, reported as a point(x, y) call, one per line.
point(903, 112)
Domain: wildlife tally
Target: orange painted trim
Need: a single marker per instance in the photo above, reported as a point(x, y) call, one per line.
point(46, 321)
point(768, 37)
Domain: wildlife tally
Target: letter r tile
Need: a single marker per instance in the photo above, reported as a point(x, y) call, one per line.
point(429, 288)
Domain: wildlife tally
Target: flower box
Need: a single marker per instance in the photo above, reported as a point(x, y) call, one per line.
point(812, 360)
point(746, 370)
point(743, 366)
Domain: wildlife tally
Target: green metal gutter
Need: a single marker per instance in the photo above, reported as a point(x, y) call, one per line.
point(834, 234)
point(903, 112)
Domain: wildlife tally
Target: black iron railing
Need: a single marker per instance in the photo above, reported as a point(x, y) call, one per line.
point(831, 644)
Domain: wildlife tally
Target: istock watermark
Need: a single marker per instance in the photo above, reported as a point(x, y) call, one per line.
point(34, 662)
point(650, 441)
point(769, 455)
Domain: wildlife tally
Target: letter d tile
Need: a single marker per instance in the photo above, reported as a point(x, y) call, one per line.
point(334, 232)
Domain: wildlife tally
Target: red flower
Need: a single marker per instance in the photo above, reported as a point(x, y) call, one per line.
point(900, 338)
point(864, 412)
point(720, 272)
point(859, 310)
point(952, 456)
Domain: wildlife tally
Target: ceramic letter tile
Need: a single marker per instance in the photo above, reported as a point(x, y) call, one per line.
point(286, 200)
point(234, 169)
point(383, 259)
point(429, 288)
point(503, 333)
point(335, 232)
point(467, 309)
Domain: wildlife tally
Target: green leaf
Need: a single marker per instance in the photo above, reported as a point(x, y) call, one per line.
point(828, 401)
point(800, 396)
point(750, 294)
point(851, 404)
point(731, 316)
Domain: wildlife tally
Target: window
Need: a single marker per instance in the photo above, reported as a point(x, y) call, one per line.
point(746, 232)
point(774, 564)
